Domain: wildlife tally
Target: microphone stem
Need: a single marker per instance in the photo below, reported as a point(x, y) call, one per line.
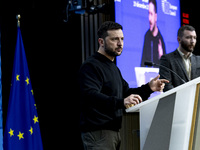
point(171, 71)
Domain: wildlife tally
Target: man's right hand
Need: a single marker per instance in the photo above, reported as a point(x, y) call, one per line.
point(132, 100)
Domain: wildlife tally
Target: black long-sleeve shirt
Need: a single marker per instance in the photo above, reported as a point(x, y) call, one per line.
point(103, 90)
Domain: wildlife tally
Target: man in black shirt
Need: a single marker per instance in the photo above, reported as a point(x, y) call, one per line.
point(154, 46)
point(104, 92)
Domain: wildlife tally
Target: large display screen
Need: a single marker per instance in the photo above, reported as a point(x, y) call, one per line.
point(150, 30)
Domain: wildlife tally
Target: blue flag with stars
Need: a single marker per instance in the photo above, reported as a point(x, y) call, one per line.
point(22, 131)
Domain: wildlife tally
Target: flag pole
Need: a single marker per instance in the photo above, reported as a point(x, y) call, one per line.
point(18, 17)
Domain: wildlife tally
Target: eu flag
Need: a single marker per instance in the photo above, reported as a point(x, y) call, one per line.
point(22, 131)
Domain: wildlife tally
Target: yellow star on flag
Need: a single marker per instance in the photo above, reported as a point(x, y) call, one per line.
point(20, 135)
point(27, 80)
point(11, 132)
point(31, 130)
point(35, 119)
point(17, 77)
point(32, 92)
point(35, 106)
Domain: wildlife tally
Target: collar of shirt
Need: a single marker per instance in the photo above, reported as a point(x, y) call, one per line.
point(183, 55)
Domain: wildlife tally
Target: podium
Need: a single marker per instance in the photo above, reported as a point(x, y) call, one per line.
point(171, 120)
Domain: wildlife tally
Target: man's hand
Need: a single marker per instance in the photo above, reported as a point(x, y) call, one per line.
point(157, 84)
point(160, 49)
point(132, 100)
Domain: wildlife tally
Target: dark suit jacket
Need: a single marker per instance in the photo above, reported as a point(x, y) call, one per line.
point(174, 62)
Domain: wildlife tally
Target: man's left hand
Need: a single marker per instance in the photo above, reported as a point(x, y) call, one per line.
point(157, 84)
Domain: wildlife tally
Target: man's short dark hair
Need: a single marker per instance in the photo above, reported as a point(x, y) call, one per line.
point(154, 3)
point(183, 28)
point(108, 25)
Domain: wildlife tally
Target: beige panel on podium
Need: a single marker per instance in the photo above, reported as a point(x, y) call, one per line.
point(195, 129)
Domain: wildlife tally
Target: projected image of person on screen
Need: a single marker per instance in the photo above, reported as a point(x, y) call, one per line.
point(154, 45)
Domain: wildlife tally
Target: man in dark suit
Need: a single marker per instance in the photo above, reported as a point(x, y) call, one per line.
point(182, 60)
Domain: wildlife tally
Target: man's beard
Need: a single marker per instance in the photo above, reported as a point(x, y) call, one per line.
point(153, 29)
point(186, 47)
point(110, 52)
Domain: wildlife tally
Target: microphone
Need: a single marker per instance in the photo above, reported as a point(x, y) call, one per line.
point(149, 63)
